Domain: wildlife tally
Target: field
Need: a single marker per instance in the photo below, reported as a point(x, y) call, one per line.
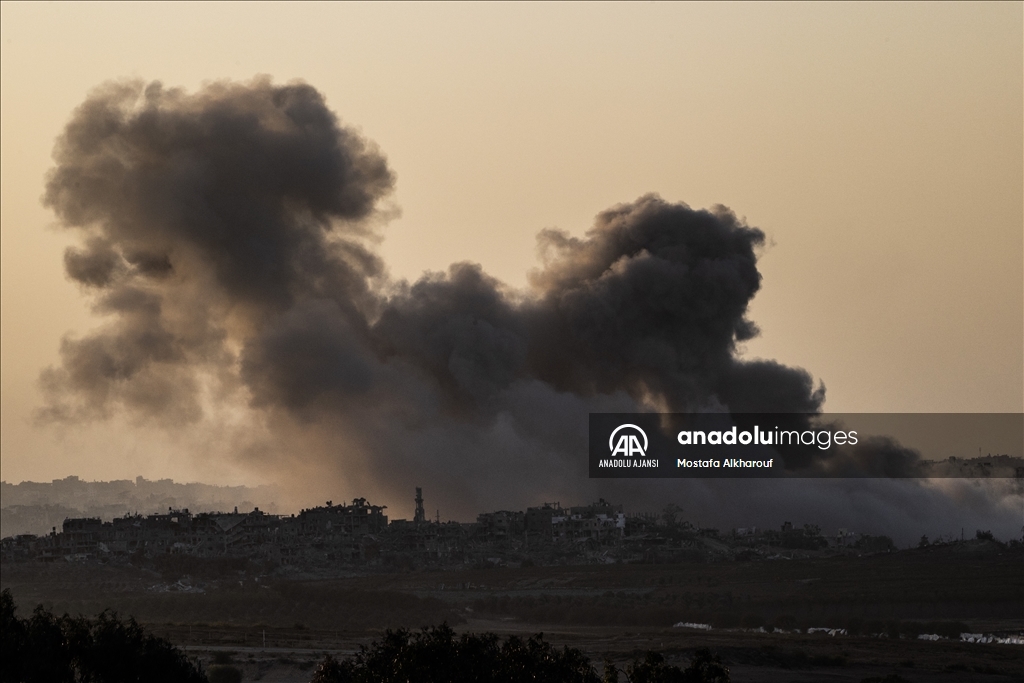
point(275, 629)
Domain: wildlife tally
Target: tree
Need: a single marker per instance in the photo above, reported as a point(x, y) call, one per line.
point(706, 668)
point(12, 640)
point(437, 655)
point(703, 668)
point(46, 648)
point(654, 669)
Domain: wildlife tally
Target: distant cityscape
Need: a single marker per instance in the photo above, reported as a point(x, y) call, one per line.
point(359, 534)
point(36, 507)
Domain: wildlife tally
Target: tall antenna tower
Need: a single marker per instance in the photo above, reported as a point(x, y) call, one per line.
point(421, 516)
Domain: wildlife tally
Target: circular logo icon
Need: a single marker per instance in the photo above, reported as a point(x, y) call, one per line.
point(628, 442)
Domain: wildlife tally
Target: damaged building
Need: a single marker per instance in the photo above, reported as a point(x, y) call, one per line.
point(360, 534)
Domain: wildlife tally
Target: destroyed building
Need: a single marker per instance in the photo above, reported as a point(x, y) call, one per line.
point(360, 534)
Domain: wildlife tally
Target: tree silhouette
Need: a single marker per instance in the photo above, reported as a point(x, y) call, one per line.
point(652, 668)
point(437, 655)
point(46, 648)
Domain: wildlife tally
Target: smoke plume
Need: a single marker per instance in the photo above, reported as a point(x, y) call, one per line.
point(227, 240)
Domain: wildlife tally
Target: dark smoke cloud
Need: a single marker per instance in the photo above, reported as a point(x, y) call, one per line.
point(227, 237)
point(651, 302)
point(207, 218)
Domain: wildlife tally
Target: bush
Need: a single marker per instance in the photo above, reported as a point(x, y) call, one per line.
point(48, 649)
point(436, 655)
point(704, 668)
point(653, 669)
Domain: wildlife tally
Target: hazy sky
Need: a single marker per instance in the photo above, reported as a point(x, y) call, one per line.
point(878, 145)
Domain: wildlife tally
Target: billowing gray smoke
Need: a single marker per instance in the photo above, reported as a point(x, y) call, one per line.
point(211, 218)
point(228, 235)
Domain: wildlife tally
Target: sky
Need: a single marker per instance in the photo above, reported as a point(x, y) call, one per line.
point(877, 146)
